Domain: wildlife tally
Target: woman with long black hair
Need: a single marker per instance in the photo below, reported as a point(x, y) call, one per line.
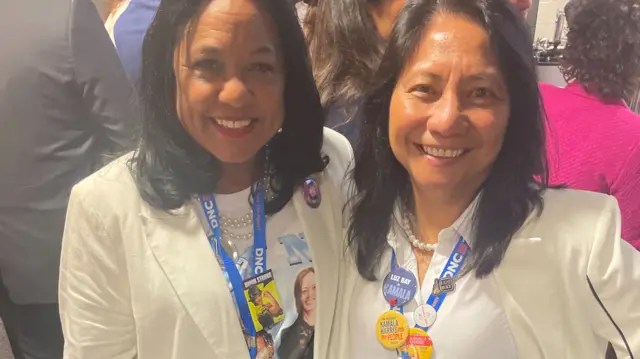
point(188, 247)
point(459, 248)
point(346, 41)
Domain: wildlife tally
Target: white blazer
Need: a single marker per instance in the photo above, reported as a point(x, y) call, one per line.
point(136, 281)
point(569, 284)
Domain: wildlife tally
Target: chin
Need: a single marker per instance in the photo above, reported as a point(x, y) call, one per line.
point(233, 157)
point(434, 181)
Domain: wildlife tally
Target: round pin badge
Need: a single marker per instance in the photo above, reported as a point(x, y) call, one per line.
point(311, 192)
point(425, 315)
point(392, 329)
point(399, 287)
point(418, 345)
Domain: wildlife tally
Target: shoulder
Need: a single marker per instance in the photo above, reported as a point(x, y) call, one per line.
point(629, 124)
point(340, 154)
point(571, 228)
point(576, 208)
point(575, 219)
point(108, 189)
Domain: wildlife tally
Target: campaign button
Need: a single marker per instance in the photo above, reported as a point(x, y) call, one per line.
point(399, 287)
point(425, 315)
point(418, 345)
point(392, 329)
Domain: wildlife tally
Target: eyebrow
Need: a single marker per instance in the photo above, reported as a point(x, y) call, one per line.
point(209, 51)
point(483, 76)
point(421, 73)
point(214, 51)
point(266, 49)
point(480, 76)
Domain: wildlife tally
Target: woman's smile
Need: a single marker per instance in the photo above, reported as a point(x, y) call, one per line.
point(234, 128)
point(441, 156)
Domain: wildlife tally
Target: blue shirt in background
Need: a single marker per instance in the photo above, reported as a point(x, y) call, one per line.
point(128, 34)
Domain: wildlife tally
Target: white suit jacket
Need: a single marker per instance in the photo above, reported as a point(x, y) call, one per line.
point(569, 284)
point(137, 281)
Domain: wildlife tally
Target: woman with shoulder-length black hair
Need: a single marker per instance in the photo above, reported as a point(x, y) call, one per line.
point(346, 41)
point(459, 248)
point(178, 250)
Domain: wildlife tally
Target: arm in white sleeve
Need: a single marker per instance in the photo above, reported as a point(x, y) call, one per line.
point(613, 274)
point(94, 295)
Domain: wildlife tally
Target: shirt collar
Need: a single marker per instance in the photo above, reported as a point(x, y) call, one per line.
point(463, 226)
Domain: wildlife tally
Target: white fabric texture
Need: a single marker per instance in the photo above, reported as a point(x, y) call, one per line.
point(5, 348)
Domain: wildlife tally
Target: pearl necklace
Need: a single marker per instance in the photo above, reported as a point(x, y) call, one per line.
point(229, 223)
point(234, 223)
point(415, 242)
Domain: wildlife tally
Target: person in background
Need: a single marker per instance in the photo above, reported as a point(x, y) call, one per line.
point(114, 8)
point(132, 19)
point(64, 110)
point(104, 7)
point(458, 246)
point(594, 138)
point(346, 39)
point(522, 6)
point(235, 184)
point(302, 9)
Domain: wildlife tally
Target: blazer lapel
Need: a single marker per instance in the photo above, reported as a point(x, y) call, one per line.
point(320, 229)
point(180, 246)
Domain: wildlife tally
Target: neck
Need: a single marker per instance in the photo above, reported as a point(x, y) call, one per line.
point(310, 317)
point(236, 177)
point(437, 209)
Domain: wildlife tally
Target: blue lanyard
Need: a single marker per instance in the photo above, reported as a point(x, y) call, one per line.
point(212, 215)
point(451, 270)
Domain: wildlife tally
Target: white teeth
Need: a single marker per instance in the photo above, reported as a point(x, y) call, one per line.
point(438, 152)
point(233, 124)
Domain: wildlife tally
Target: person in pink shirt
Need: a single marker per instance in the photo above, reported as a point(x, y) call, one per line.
point(593, 140)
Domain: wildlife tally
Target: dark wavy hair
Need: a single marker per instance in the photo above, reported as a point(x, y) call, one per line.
point(345, 48)
point(170, 166)
point(509, 194)
point(603, 47)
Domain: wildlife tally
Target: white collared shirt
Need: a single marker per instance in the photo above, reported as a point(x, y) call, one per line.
point(471, 322)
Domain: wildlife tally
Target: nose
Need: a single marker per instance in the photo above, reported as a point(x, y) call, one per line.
point(445, 118)
point(234, 93)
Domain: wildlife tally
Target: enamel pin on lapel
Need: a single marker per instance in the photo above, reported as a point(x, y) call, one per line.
point(311, 192)
point(444, 285)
